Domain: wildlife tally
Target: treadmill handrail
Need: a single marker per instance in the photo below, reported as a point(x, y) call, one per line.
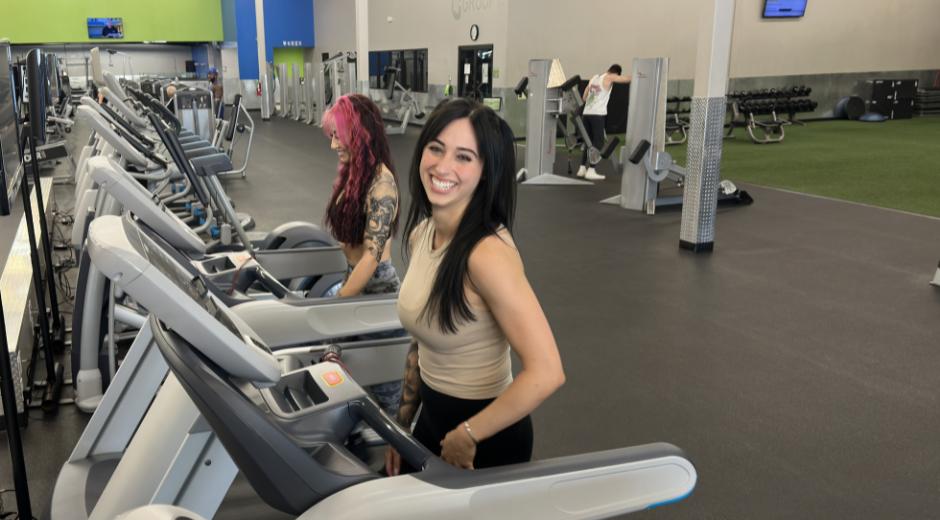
point(136, 199)
point(122, 106)
point(104, 129)
point(182, 163)
point(181, 299)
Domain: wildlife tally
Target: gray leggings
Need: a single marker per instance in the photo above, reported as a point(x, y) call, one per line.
point(384, 280)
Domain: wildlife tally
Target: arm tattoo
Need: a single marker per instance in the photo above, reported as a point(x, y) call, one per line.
point(383, 205)
point(410, 399)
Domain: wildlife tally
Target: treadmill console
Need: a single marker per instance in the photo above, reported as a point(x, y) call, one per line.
point(312, 389)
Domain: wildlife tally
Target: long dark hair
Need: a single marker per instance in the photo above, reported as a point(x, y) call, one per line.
point(357, 123)
point(492, 206)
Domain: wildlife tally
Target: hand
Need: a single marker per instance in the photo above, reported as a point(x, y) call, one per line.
point(458, 448)
point(392, 462)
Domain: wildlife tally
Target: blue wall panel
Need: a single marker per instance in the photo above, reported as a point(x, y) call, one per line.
point(247, 30)
point(201, 59)
point(229, 26)
point(287, 23)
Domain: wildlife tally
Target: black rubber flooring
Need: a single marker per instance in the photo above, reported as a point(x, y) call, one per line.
point(797, 365)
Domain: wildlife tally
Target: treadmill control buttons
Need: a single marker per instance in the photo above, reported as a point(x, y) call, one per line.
point(332, 378)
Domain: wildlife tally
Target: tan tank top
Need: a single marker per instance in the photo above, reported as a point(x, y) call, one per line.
point(474, 363)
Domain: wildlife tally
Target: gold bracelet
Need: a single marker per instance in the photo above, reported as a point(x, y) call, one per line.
point(466, 427)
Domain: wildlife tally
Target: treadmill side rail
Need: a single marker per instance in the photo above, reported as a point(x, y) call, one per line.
point(600, 492)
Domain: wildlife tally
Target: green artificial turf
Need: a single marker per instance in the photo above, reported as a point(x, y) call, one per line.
point(895, 164)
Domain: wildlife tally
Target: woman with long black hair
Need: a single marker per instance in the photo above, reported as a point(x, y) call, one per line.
point(466, 300)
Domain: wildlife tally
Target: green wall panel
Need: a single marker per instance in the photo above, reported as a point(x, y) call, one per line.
point(65, 21)
point(290, 56)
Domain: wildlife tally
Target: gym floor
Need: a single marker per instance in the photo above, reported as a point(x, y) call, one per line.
point(796, 365)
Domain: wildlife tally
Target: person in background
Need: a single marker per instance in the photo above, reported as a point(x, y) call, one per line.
point(110, 31)
point(594, 116)
point(170, 92)
point(215, 83)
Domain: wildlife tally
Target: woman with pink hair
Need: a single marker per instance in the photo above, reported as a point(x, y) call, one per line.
point(363, 211)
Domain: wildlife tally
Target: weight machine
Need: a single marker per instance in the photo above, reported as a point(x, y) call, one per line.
point(296, 94)
point(283, 91)
point(337, 76)
point(407, 104)
point(550, 98)
point(649, 165)
point(310, 93)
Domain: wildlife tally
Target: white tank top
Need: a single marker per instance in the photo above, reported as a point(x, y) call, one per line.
point(596, 103)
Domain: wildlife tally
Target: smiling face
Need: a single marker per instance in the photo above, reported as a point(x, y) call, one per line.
point(451, 167)
point(341, 151)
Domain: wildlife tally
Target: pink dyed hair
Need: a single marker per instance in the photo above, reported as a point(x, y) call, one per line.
point(357, 123)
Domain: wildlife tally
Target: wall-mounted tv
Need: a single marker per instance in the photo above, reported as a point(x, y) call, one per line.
point(105, 28)
point(784, 8)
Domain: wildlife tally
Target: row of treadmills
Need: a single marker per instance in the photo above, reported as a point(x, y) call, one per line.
point(197, 345)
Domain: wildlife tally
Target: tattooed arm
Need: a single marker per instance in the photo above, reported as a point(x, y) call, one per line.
point(381, 208)
point(410, 400)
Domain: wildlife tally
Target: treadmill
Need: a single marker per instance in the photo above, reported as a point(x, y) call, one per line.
point(285, 427)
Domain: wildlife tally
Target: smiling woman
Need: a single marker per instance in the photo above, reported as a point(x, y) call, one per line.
point(466, 299)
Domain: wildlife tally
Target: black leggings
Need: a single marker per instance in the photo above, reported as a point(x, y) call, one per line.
point(441, 413)
point(594, 125)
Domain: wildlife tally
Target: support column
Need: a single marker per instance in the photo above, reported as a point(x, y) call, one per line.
point(712, 65)
point(362, 46)
point(263, 76)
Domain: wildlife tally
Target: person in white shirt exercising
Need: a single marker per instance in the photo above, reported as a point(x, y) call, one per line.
point(595, 99)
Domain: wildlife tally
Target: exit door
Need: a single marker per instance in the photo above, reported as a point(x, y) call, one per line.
point(475, 71)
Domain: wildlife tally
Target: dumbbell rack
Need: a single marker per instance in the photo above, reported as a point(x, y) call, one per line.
point(745, 105)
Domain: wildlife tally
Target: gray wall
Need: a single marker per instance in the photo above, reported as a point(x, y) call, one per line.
point(835, 36)
point(441, 27)
point(835, 48)
point(334, 27)
point(157, 59)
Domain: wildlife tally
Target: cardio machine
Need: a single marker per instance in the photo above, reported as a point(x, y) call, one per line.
point(285, 428)
point(100, 317)
point(141, 417)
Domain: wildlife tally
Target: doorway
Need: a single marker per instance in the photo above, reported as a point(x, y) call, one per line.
point(475, 71)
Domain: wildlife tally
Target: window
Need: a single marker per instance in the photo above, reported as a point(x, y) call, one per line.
point(412, 65)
